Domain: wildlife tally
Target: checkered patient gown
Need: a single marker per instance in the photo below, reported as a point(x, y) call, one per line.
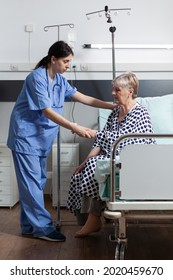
point(136, 121)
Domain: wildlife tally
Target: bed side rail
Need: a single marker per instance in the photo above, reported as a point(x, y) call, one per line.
point(113, 192)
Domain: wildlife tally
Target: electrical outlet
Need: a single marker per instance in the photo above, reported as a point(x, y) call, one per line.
point(84, 67)
point(14, 67)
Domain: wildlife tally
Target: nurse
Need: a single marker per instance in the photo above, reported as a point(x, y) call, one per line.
point(34, 124)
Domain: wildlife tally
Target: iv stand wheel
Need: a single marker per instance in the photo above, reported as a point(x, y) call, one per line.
point(58, 225)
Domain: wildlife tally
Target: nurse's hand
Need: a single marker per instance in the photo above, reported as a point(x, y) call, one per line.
point(92, 132)
point(81, 131)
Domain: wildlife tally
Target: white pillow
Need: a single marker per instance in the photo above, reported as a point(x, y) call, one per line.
point(160, 109)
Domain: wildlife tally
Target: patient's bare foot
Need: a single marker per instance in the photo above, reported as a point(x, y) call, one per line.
point(93, 224)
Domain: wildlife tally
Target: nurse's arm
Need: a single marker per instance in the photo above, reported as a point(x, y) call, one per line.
point(55, 117)
point(91, 101)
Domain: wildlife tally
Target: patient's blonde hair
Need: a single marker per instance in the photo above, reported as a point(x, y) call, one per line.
point(128, 80)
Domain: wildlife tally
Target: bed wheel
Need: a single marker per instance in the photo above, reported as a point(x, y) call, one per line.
point(120, 249)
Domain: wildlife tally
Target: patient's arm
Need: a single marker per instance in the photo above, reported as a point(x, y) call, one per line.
point(94, 152)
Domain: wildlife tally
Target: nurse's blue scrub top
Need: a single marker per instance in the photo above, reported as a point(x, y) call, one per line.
point(30, 132)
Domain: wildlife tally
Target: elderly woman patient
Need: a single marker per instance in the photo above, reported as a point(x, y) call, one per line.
point(127, 117)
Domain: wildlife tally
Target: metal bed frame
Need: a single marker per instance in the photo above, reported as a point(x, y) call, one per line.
point(132, 202)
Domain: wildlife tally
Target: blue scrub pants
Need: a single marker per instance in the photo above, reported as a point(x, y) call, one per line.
point(31, 178)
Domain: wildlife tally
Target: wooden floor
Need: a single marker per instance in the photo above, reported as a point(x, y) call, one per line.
point(144, 243)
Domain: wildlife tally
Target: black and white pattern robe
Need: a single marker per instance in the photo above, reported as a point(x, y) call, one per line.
point(136, 121)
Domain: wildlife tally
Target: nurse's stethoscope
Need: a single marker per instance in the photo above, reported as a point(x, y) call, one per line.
point(56, 90)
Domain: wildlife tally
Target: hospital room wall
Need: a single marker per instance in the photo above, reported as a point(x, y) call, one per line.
point(150, 22)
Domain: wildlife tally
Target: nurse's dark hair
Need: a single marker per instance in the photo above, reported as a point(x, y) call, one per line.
point(59, 49)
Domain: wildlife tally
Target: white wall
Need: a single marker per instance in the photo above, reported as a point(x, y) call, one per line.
point(150, 22)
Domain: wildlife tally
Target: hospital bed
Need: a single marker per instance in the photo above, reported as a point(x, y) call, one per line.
point(138, 184)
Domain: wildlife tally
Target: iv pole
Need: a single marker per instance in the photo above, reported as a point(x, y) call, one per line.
point(112, 29)
point(46, 28)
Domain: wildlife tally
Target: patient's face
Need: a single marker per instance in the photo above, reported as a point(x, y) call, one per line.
point(121, 95)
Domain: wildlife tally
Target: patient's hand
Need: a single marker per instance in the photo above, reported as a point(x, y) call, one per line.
point(79, 168)
point(92, 132)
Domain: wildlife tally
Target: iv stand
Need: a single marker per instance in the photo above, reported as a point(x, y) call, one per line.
point(112, 29)
point(46, 28)
point(58, 220)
